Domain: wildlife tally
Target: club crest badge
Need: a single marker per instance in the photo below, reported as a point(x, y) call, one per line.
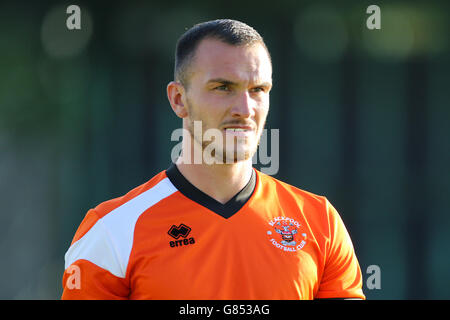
point(286, 234)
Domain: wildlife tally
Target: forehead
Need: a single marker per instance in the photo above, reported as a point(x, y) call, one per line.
point(217, 59)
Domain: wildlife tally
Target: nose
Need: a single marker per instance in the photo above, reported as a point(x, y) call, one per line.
point(243, 106)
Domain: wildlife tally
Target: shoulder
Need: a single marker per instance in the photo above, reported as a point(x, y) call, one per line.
point(105, 236)
point(271, 185)
point(146, 194)
point(135, 200)
point(312, 208)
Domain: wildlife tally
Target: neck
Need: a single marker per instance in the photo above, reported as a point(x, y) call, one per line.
point(219, 181)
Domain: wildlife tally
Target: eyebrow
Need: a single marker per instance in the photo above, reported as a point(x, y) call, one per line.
point(228, 82)
point(221, 80)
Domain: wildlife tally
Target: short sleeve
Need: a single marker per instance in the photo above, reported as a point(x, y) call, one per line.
point(342, 276)
point(92, 266)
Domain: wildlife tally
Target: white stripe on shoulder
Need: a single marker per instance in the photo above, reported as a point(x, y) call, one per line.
point(108, 243)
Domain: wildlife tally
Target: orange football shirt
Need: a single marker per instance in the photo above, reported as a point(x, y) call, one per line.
point(168, 240)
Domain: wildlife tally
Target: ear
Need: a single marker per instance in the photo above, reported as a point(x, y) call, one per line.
point(176, 95)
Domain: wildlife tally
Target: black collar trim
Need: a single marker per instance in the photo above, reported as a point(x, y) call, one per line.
point(225, 210)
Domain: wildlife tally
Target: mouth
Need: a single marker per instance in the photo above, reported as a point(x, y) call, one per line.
point(238, 130)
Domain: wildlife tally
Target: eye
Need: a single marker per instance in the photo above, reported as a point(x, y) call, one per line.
point(258, 89)
point(223, 87)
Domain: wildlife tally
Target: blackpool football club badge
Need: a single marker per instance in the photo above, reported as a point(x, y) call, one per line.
point(286, 234)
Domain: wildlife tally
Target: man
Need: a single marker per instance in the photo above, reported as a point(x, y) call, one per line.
point(211, 226)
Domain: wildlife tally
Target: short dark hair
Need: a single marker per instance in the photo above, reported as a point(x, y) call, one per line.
point(232, 32)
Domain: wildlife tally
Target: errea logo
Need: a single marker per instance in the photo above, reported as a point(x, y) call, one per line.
point(181, 231)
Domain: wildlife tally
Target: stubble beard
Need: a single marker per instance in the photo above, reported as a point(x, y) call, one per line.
point(223, 155)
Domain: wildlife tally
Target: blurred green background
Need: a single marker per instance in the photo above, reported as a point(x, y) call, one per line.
point(364, 119)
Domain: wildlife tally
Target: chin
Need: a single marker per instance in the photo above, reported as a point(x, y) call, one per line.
point(233, 156)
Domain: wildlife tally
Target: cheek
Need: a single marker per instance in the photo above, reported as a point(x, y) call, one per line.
point(208, 114)
point(204, 104)
point(262, 112)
